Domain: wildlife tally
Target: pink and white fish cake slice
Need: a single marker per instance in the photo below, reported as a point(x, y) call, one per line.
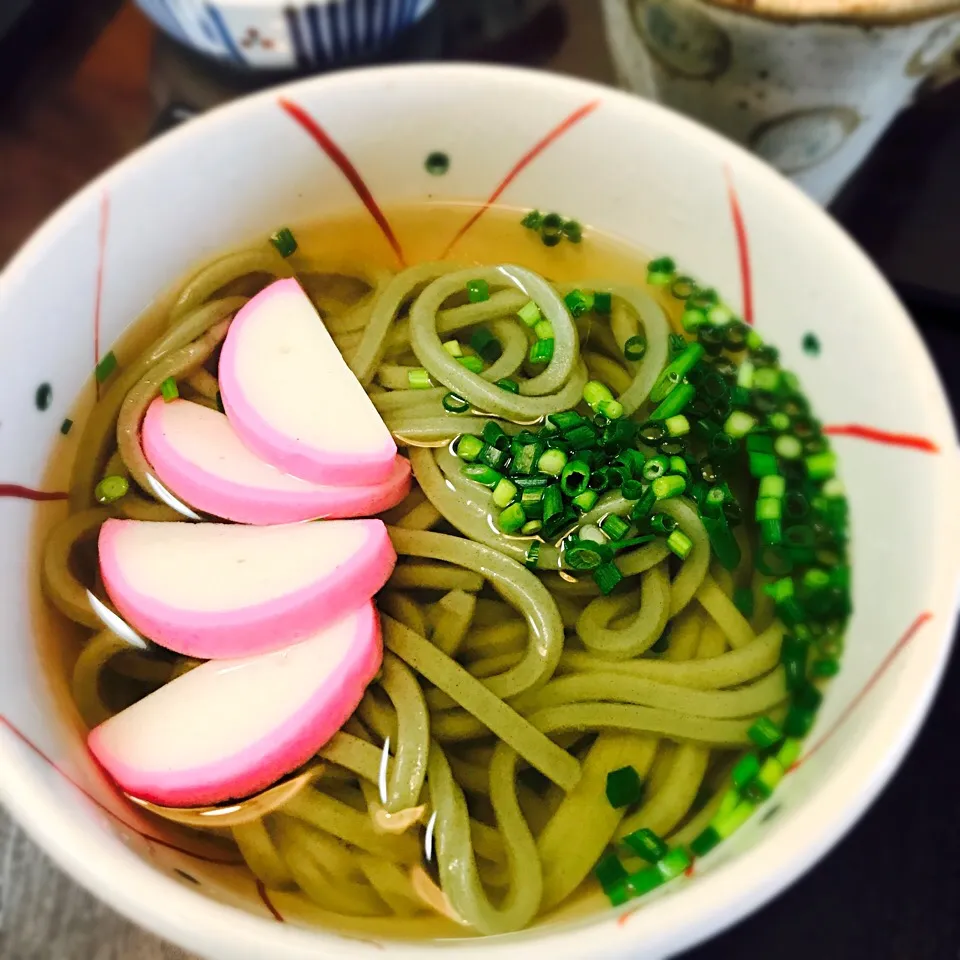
point(196, 454)
point(214, 591)
point(293, 400)
point(230, 728)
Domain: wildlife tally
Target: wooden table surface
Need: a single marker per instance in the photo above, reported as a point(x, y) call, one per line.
point(50, 146)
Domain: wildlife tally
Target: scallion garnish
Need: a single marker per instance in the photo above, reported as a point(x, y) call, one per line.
point(624, 787)
point(607, 576)
point(635, 347)
point(65, 426)
point(541, 351)
point(530, 314)
point(453, 348)
point(602, 302)
point(419, 379)
point(168, 390)
point(106, 366)
point(478, 291)
point(111, 488)
point(284, 241)
point(511, 386)
point(453, 403)
point(486, 344)
point(473, 364)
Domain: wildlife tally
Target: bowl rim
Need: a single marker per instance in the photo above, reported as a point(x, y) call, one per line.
point(728, 892)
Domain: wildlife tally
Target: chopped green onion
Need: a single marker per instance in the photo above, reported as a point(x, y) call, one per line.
point(674, 863)
point(765, 733)
point(655, 467)
point(643, 881)
point(495, 457)
point(762, 464)
point(531, 527)
point(692, 319)
point(533, 555)
point(799, 721)
point(453, 348)
point(722, 541)
point(683, 287)
point(581, 437)
point(771, 532)
point(610, 872)
point(552, 462)
point(481, 473)
point(504, 493)
point(573, 231)
point(602, 302)
point(668, 486)
point(767, 379)
point(530, 314)
point(769, 508)
point(607, 576)
point(821, 466)
point(168, 390)
point(478, 291)
point(704, 842)
point(624, 787)
point(679, 368)
point(594, 392)
point(106, 366)
point(525, 460)
point(719, 315)
point(635, 347)
point(765, 782)
point(511, 386)
point(574, 478)
point(661, 271)
point(541, 351)
point(772, 485)
point(745, 769)
point(419, 379)
point(468, 447)
point(731, 822)
point(611, 409)
point(551, 229)
point(565, 420)
point(788, 447)
point(739, 424)
point(512, 518)
point(473, 364)
point(65, 426)
point(675, 401)
point(486, 344)
point(543, 330)
point(592, 533)
point(789, 752)
point(111, 488)
point(578, 302)
point(453, 403)
point(743, 601)
point(586, 501)
point(680, 544)
point(284, 241)
point(616, 528)
point(585, 555)
point(827, 667)
point(679, 466)
point(532, 220)
point(677, 426)
point(531, 500)
point(646, 844)
point(552, 502)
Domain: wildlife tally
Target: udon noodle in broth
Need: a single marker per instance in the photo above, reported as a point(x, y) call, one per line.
point(621, 576)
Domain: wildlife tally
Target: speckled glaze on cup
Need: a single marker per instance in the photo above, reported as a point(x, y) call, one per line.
point(809, 85)
point(368, 142)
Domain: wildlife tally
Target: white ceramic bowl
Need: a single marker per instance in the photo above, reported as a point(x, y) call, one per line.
point(621, 165)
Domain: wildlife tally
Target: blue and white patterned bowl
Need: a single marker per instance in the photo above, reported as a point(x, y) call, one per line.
point(285, 35)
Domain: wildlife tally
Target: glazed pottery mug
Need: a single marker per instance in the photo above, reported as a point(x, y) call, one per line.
point(809, 85)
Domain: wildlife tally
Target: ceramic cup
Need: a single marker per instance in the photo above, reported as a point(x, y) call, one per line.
point(619, 164)
point(809, 85)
